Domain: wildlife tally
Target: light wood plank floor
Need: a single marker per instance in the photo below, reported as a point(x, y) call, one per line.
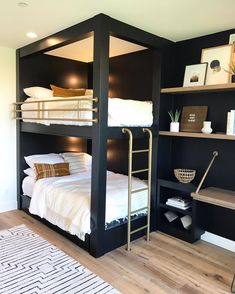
point(164, 265)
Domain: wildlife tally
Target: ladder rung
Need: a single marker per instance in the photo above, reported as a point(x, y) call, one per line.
point(138, 210)
point(139, 229)
point(139, 171)
point(139, 190)
point(140, 151)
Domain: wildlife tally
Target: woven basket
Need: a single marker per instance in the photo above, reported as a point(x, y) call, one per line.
point(184, 175)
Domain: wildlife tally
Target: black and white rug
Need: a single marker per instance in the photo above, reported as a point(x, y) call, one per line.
point(30, 264)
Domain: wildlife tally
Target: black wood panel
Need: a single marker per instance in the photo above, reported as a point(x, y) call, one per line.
point(130, 75)
point(99, 136)
point(43, 70)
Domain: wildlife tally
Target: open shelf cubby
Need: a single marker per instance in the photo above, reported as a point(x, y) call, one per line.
point(170, 188)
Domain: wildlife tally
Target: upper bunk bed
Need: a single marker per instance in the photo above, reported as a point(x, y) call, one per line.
point(95, 45)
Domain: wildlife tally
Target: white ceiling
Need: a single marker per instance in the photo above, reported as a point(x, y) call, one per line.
point(173, 19)
point(83, 50)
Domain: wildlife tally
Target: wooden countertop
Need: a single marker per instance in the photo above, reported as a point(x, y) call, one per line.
point(216, 196)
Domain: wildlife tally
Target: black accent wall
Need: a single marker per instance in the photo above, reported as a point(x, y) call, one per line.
point(43, 70)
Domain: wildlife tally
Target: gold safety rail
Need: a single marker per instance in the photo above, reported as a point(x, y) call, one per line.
point(41, 110)
point(131, 192)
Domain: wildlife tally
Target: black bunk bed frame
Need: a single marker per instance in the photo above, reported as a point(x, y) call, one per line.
point(101, 240)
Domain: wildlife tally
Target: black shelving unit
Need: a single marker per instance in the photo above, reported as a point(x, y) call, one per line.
point(170, 188)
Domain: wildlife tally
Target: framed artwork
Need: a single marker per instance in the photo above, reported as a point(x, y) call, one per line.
point(192, 118)
point(218, 58)
point(195, 75)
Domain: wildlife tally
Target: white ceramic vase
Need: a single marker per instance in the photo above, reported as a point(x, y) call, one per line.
point(207, 127)
point(174, 127)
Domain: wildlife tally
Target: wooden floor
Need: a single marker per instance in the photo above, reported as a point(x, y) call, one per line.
point(164, 265)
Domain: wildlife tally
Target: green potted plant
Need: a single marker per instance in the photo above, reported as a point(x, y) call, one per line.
point(174, 116)
point(231, 71)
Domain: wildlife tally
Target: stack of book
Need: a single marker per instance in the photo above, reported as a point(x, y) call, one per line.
point(179, 202)
point(230, 123)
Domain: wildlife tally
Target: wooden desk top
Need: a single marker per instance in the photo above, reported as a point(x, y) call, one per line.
point(216, 196)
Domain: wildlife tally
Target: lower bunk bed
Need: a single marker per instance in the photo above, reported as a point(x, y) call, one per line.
point(63, 202)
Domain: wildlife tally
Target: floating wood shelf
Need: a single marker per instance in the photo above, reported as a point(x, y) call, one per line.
point(216, 196)
point(197, 135)
point(209, 88)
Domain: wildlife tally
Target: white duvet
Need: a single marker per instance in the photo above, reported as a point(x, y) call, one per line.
point(121, 112)
point(65, 201)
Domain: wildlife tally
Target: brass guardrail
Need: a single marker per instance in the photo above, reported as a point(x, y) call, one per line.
point(41, 110)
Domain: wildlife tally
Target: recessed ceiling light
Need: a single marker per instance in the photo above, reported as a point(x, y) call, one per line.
point(22, 4)
point(31, 35)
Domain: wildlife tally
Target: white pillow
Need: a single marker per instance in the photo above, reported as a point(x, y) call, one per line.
point(78, 162)
point(38, 92)
point(50, 158)
point(30, 172)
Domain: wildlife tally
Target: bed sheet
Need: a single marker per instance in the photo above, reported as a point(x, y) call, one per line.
point(121, 112)
point(65, 201)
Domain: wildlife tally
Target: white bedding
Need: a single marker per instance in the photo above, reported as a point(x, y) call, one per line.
point(121, 112)
point(65, 201)
point(28, 185)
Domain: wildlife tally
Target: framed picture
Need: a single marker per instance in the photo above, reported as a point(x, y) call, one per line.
point(195, 75)
point(192, 118)
point(218, 58)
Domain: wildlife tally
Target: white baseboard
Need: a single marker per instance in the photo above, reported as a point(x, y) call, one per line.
point(219, 241)
point(8, 205)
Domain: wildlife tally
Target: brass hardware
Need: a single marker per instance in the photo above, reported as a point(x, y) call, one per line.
point(59, 119)
point(130, 191)
point(140, 151)
point(215, 154)
point(140, 171)
point(41, 110)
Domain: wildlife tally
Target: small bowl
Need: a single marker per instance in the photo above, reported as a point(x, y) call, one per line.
point(184, 175)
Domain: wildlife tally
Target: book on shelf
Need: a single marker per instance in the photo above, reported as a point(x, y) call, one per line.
point(230, 130)
point(179, 202)
point(171, 216)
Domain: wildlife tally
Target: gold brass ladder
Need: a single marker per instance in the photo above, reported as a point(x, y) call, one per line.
point(148, 188)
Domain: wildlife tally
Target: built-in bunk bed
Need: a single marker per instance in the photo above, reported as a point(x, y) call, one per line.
point(41, 64)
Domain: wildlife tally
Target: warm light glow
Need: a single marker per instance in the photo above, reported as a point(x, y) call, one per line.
point(74, 144)
point(53, 41)
point(31, 35)
point(73, 80)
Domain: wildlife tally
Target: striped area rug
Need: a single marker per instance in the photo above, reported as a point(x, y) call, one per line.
point(30, 264)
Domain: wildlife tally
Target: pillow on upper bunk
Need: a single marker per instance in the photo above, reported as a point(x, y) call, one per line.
point(45, 170)
point(50, 158)
point(38, 92)
point(62, 92)
point(78, 162)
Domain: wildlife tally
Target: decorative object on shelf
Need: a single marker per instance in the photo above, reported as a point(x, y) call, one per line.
point(171, 216)
point(186, 221)
point(184, 175)
point(207, 127)
point(230, 130)
point(174, 125)
point(218, 59)
point(179, 202)
point(192, 118)
point(231, 71)
point(195, 75)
